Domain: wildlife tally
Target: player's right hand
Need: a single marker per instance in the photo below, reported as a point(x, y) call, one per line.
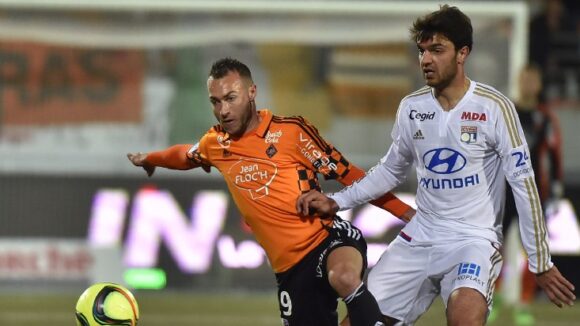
point(316, 203)
point(138, 159)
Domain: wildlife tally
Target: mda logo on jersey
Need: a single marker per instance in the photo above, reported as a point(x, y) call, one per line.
point(473, 116)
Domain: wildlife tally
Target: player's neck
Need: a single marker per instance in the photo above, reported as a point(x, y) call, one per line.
point(252, 125)
point(450, 95)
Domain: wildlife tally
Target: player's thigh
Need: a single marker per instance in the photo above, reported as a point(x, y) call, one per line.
point(473, 265)
point(305, 305)
point(400, 283)
point(304, 295)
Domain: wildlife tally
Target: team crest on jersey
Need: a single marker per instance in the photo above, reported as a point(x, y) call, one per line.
point(468, 134)
point(271, 151)
point(418, 135)
point(273, 137)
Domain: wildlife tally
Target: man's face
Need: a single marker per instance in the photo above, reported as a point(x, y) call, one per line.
point(438, 60)
point(232, 99)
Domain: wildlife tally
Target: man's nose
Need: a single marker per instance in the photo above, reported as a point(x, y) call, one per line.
point(224, 110)
point(427, 57)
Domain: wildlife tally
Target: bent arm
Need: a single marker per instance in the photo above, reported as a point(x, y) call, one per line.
point(376, 184)
point(387, 201)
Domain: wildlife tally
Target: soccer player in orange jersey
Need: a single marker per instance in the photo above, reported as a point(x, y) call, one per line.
point(267, 161)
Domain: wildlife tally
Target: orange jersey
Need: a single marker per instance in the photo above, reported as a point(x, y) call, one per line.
point(266, 170)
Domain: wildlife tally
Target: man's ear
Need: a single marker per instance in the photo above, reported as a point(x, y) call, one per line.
point(253, 92)
point(462, 55)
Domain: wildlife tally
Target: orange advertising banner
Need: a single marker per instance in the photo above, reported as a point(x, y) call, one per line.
point(48, 85)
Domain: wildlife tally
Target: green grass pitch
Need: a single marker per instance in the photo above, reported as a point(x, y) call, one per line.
point(255, 309)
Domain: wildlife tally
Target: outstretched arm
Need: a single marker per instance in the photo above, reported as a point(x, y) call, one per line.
point(176, 157)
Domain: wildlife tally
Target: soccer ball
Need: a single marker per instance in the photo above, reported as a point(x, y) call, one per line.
point(107, 304)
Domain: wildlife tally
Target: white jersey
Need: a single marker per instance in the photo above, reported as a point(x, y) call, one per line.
point(462, 157)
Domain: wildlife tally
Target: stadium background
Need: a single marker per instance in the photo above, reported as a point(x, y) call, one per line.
point(83, 83)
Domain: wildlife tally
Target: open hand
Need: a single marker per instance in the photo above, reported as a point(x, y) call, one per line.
point(557, 287)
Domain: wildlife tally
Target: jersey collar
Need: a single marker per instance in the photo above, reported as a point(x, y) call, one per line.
point(266, 116)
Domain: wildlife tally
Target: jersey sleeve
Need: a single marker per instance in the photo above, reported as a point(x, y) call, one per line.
point(181, 157)
point(385, 176)
point(324, 158)
point(517, 166)
point(173, 157)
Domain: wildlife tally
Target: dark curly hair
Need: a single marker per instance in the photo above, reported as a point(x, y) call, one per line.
point(447, 21)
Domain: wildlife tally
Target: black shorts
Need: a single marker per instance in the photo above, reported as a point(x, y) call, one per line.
point(305, 296)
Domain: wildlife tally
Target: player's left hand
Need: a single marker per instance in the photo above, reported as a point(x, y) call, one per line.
point(557, 287)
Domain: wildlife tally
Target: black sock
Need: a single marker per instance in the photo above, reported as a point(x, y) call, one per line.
point(363, 309)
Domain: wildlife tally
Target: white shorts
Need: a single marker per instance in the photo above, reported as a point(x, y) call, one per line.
point(408, 277)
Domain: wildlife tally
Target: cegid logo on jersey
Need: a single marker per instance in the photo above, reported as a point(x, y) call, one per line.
point(313, 154)
point(446, 161)
point(253, 175)
point(414, 115)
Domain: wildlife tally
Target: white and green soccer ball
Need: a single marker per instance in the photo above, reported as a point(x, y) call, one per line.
point(107, 304)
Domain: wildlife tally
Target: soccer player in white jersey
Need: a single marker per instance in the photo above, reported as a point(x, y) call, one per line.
point(465, 139)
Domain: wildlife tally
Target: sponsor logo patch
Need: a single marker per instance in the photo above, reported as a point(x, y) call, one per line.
point(421, 116)
point(444, 160)
point(253, 175)
point(469, 272)
point(473, 116)
point(273, 137)
point(469, 269)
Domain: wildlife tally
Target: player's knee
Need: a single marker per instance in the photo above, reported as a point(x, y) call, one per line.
point(466, 307)
point(344, 279)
